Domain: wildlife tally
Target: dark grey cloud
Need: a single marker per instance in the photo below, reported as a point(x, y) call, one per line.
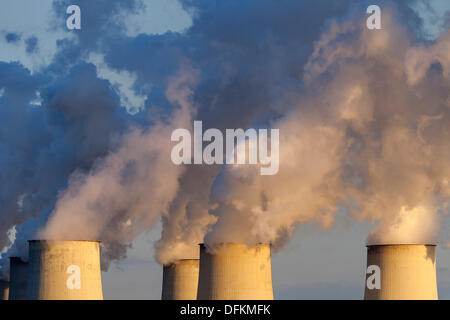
point(12, 37)
point(76, 123)
point(100, 20)
point(31, 44)
point(40, 146)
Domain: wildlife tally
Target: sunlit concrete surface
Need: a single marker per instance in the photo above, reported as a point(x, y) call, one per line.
point(235, 272)
point(64, 270)
point(408, 272)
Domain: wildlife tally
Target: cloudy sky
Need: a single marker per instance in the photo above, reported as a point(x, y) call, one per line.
point(66, 94)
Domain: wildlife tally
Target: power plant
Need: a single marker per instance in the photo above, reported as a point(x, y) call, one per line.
point(234, 271)
point(18, 276)
point(64, 270)
point(70, 270)
point(4, 289)
point(180, 280)
point(406, 272)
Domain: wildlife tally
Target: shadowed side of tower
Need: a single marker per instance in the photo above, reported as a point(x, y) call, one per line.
point(18, 275)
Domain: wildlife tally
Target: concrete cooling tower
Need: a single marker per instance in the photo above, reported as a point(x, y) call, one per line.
point(18, 274)
point(180, 280)
point(4, 289)
point(401, 272)
point(235, 272)
point(64, 270)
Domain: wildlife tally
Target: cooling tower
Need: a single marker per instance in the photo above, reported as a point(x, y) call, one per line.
point(407, 272)
point(180, 280)
point(235, 272)
point(18, 274)
point(64, 270)
point(4, 290)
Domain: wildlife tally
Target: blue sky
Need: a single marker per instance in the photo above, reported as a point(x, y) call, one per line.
point(314, 265)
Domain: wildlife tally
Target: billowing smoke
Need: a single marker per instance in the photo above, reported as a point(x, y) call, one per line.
point(125, 192)
point(363, 118)
point(363, 129)
point(251, 67)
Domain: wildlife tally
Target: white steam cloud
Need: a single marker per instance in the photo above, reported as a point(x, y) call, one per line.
point(366, 131)
point(125, 192)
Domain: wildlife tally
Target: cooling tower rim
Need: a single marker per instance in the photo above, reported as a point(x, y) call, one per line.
point(180, 260)
point(227, 243)
point(186, 259)
point(401, 244)
point(72, 240)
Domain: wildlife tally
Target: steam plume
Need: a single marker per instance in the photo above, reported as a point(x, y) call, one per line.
point(363, 118)
point(124, 193)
